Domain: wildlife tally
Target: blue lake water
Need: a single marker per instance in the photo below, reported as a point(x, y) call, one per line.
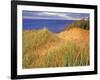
point(52, 25)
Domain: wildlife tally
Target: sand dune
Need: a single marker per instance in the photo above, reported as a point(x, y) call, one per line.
point(38, 44)
point(78, 35)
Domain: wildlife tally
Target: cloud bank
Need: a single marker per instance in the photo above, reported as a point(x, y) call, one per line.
point(53, 15)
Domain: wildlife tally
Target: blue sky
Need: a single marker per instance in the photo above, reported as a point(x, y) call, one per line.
point(54, 21)
point(53, 15)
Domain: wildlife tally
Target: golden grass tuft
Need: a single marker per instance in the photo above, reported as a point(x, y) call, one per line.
point(42, 48)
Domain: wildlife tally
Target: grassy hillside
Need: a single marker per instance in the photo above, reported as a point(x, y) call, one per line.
point(78, 35)
point(42, 48)
point(35, 44)
point(84, 24)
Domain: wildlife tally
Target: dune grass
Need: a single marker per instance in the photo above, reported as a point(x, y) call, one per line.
point(33, 41)
point(68, 55)
point(36, 42)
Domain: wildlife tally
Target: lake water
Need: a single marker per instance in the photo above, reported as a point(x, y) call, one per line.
point(52, 25)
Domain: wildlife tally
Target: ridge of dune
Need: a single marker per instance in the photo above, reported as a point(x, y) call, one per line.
point(78, 35)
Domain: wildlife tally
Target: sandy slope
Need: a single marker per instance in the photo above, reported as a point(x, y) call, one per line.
point(78, 35)
point(52, 41)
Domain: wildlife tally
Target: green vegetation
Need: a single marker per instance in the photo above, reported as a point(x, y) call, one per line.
point(84, 24)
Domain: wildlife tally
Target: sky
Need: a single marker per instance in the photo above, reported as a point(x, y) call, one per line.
point(54, 21)
point(53, 15)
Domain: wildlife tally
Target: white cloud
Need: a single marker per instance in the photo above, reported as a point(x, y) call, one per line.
point(35, 17)
point(52, 15)
point(47, 13)
point(60, 15)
